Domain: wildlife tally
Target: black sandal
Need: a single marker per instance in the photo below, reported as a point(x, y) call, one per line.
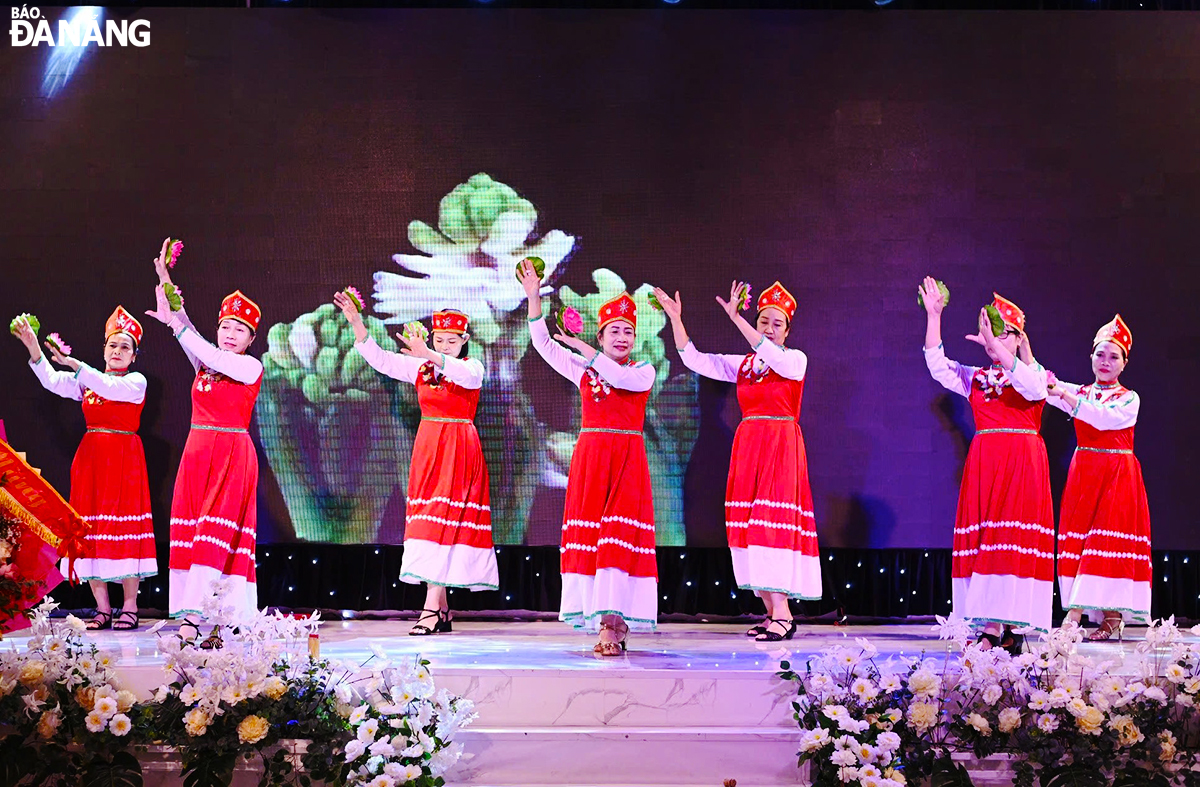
point(126, 620)
point(441, 626)
point(1015, 642)
point(991, 639)
point(213, 641)
point(100, 621)
point(754, 631)
point(789, 631)
point(190, 639)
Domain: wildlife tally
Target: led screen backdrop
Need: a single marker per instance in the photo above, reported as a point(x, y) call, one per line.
point(418, 155)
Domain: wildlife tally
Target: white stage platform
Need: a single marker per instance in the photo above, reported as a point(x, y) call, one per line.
point(694, 704)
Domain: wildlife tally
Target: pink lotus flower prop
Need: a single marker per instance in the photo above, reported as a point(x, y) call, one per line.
point(174, 249)
point(58, 344)
point(570, 321)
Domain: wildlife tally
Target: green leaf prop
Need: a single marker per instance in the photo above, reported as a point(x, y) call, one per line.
point(539, 267)
point(941, 285)
point(33, 321)
point(174, 296)
point(997, 321)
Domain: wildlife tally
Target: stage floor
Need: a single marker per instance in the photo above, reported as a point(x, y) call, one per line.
point(551, 712)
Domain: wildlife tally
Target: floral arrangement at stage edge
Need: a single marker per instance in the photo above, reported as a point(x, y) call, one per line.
point(16, 592)
point(262, 695)
point(1065, 719)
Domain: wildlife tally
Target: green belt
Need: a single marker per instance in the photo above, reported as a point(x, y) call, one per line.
point(207, 428)
point(768, 418)
point(109, 431)
point(447, 420)
point(613, 431)
point(1007, 431)
point(1105, 450)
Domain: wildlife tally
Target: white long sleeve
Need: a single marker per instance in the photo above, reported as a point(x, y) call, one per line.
point(404, 368)
point(184, 321)
point(712, 365)
point(244, 368)
point(629, 377)
point(467, 373)
point(1029, 381)
point(792, 364)
point(1058, 403)
point(1108, 414)
point(952, 375)
point(569, 364)
point(65, 384)
point(114, 387)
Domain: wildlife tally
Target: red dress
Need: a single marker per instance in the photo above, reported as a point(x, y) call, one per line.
point(109, 487)
point(1003, 559)
point(448, 521)
point(768, 502)
point(1104, 528)
point(607, 554)
point(213, 514)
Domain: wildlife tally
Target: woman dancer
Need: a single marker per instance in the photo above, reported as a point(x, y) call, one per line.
point(448, 520)
point(609, 572)
point(213, 513)
point(1003, 559)
point(109, 488)
point(768, 503)
point(1104, 528)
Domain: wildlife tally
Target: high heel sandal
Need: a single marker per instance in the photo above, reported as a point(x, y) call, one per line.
point(441, 623)
point(992, 639)
point(100, 621)
point(612, 648)
point(189, 639)
point(754, 631)
point(126, 620)
point(789, 631)
point(1015, 642)
point(1112, 626)
point(213, 641)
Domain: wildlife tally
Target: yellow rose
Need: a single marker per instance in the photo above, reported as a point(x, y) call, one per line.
point(922, 715)
point(274, 687)
point(86, 697)
point(195, 722)
point(32, 673)
point(1090, 720)
point(125, 700)
point(41, 692)
point(253, 729)
point(5, 550)
point(48, 724)
point(7, 684)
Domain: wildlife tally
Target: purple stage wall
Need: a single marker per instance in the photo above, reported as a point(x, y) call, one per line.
point(1051, 157)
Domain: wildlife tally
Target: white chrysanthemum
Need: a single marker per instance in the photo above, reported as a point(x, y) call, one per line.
point(864, 690)
point(888, 742)
point(843, 758)
point(992, 694)
point(1047, 722)
point(814, 739)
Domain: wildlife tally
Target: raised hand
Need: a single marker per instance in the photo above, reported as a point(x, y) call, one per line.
point(735, 295)
point(985, 337)
point(672, 307)
point(26, 335)
point(61, 359)
point(414, 346)
point(162, 309)
point(530, 281)
point(160, 264)
point(349, 310)
point(932, 296)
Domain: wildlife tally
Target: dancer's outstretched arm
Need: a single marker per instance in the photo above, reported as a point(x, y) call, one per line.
point(952, 375)
point(394, 365)
point(237, 366)
point(64, 384)
point(712, 365)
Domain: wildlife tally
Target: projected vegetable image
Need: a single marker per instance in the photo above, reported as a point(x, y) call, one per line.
point(338, 436)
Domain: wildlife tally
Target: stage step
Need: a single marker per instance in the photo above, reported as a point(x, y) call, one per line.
point(606, 756)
